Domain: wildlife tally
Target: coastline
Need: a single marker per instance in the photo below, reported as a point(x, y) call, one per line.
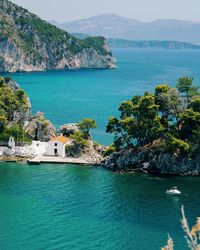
point(15, 159)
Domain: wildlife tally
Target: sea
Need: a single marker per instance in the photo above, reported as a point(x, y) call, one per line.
point(79, 207)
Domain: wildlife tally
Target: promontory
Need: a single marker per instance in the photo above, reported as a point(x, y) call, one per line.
point(28, 43)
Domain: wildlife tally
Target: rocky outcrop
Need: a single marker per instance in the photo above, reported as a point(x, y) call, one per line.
point(28, 43)
point(91, 153)
point(12, 84)
point(68, 129)
point(152, 160)
point(39, 128)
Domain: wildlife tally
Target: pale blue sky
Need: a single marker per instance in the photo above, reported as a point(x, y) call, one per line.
point(144, 10)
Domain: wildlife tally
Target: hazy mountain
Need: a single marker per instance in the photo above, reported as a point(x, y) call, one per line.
point(115, 26)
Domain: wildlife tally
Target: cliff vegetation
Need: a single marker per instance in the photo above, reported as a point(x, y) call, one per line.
point(158, 127)
point(13, 101)
point(15, 116)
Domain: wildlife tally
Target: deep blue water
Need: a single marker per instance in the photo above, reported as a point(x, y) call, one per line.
point(68, 96)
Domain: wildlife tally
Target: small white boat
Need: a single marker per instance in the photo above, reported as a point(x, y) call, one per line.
point(173, 191)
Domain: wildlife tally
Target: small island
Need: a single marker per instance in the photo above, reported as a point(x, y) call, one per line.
point(157, 133)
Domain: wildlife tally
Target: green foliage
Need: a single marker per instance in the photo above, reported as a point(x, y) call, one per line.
point(11, 101)
point(162, 98)
point(85, 125)
point(167, 115)
point(190, 122)
point(17, 132)
point(161, 89)
point(79, 139)
point(97, 43)
point(126, 109)
point(3, 122)
point(20, 94)
point(109, 150)
point(184, 84)
point(195, 104)
point(194, 91)
point(177, 146)
point(2, 82)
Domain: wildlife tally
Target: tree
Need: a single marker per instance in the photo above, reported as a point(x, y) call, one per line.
point(194, 91)
point(166, 115)
point(195, 104)
point(114, 127)
point(79, 140)
point(3, 121)
point(184, 85)
point(2, 81)
point(176, 146)
point(190, 122)
point(126, 109)
point(139, 123)
point(162, 99)
point(161, 89)
point(85, 125)
point(20, 94)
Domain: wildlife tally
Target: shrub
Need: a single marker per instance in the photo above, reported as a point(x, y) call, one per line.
point(79, 139)
point(17, 132)
point(109, 150)
point(2, 82)
point(174, 145)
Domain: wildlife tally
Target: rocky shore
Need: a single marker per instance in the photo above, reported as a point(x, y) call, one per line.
point(152, 160)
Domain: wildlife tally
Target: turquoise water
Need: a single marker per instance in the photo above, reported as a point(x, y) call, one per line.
point(68, 96)
point(74, 207)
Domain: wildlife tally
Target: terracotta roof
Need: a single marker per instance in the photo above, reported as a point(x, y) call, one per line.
point(61, 139)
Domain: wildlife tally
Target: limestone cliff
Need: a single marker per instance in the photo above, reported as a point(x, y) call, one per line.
point(28, 43)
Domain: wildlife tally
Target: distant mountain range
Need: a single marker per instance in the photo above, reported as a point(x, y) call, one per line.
point(122, 43)
point(144, 44)
point(110, 25)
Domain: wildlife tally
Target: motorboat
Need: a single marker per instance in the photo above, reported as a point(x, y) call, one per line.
point(173, 191)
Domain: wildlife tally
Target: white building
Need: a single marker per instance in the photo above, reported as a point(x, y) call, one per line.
point(56, 146)
point(39, 147)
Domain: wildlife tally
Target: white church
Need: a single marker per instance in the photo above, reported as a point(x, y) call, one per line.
point(56, 146)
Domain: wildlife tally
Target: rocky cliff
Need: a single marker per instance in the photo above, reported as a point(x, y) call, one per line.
point(39, 128)
point(151, 159)
point(28, 43)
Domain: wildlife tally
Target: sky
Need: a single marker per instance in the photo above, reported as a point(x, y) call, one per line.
point(143, 10)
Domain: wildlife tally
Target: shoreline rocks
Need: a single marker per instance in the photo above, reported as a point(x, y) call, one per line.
point(151, 160)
